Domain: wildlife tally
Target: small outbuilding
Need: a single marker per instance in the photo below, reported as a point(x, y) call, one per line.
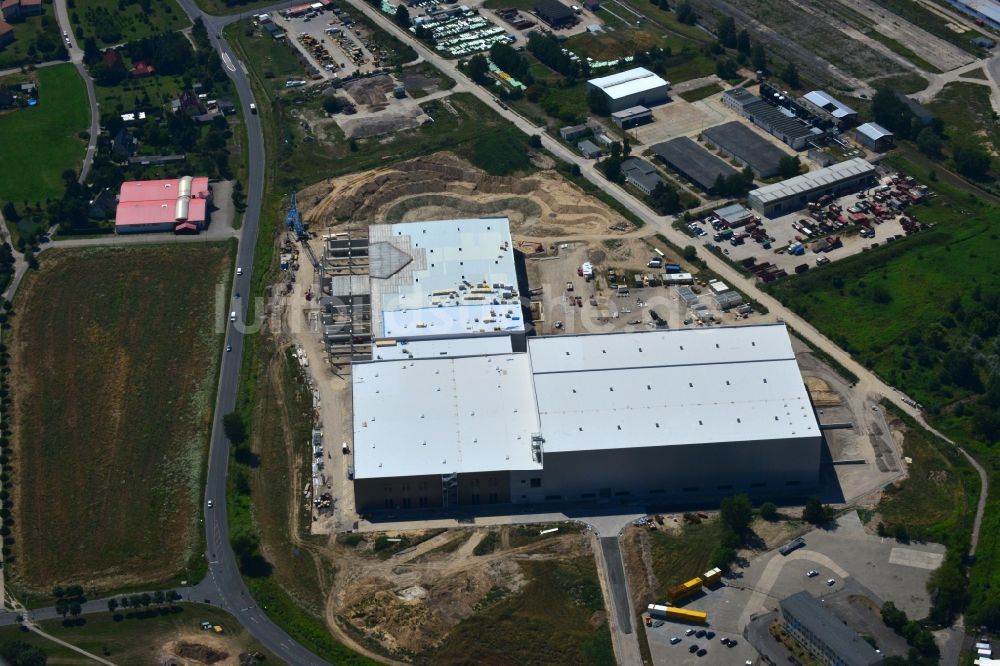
point(589, 149)
point(874, 137)
point(632, 117)
point(554, 13)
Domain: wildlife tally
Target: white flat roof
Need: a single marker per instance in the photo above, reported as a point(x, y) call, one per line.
point(681, 347)
point(628, 82)
point(808, 182)
point(444, 278)
point(443, 416)
point(476, 346)
point(665, 388)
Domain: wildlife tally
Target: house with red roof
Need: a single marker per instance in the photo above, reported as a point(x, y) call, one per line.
point(141, 69)
point(179, 205)
point(14, 10)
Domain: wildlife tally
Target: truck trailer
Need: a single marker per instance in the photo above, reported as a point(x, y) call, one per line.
point(662, 612)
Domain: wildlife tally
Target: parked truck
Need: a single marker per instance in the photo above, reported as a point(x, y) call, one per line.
point(672, 268)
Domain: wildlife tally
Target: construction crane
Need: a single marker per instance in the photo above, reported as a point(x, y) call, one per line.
point(293, 220)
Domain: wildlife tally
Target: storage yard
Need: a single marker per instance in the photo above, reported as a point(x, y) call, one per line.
point(823, 232)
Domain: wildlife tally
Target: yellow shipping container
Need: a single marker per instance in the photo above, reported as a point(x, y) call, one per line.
point(686, 615)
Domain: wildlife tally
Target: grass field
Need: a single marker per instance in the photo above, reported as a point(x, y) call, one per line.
point(43, 140)
point(33, 31)
point(272, 61)
point(701, 93)
point(680, 557)
point(900, 49)
point(975, 74)
point(134, 641)
point(231, 6)
point(938, 496)
point(686, 62)
point(133, 93)
point(116, 362)
point(112, 22)
point(904, 83)
point(551, 621)
point(967, 115)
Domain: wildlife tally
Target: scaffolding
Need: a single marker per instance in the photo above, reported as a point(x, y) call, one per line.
point(345, 299)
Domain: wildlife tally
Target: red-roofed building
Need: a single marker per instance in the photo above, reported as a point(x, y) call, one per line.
point(298, 10)
point(179, 205)
point(31, 7)
point(6, 33)
point(142, 69)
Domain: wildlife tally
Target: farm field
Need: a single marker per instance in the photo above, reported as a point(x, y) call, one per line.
point(43, 140)
point(131, 641)
point(115, 363)
point(40, 32)
point(111, 22)
point(930, 332)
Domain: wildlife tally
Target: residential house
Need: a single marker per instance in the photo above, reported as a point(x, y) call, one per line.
point(141, 69)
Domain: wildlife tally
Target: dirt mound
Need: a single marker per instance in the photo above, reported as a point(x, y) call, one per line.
point(442, 185)
point(821, 393)
point(199, 653)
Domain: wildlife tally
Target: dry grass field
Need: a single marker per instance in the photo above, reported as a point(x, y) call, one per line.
point(115, 358)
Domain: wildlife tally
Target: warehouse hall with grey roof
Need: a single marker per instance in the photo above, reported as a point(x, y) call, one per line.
point(746, 146)
point(692, 161)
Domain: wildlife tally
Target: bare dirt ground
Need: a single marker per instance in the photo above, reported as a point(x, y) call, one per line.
point(442, 185)
point(194, 648)
point(409, 601)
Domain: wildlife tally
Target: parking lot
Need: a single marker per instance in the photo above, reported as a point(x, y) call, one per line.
point(824, 240)
point(861, 566)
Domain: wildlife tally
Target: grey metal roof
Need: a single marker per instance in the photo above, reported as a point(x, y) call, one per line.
point(587, 146)
point(838, 637)
point(833, 106)
point(630, 82)
point(777, 121)
point(873, 131)
point(736, 138)
point(813, 180)
point(692, 160)
point(741, 95)
point(631, 112)
point(733, 212)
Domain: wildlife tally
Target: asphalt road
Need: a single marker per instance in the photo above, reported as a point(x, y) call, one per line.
point(76, 57)
point(223, 573)
point(616, 581)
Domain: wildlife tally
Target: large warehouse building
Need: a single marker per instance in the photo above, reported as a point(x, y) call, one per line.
point(692, 161)
point(793, 194)
point(179, 205)
point(746, 147)
point(659, 416)
point(776, 122)
point(635, 87)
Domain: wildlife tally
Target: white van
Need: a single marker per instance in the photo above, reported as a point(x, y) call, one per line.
point(232, 316)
